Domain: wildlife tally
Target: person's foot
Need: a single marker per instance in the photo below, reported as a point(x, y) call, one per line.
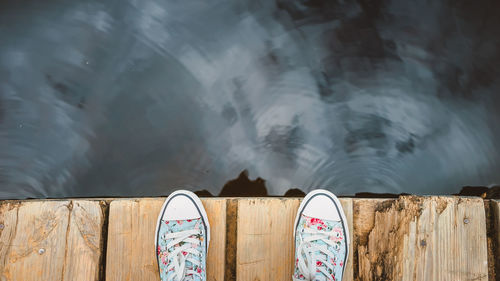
point(182, 237)
point(321, 238)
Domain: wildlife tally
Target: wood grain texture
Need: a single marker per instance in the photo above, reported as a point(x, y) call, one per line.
point(216, 210)
point(495, 237)
point(411, 238)
point(265, 247)
point(131, 250)
point(421, 238)
point(84, 242)
point(347, 205)
point(47, 240)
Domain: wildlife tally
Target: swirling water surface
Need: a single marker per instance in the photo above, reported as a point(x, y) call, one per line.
point(134, 98)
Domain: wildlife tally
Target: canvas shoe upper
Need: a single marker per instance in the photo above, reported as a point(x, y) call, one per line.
point(321, 238)
point(182, 238)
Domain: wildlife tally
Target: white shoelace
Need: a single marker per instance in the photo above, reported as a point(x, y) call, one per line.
point(308, 255)
point(179, 260)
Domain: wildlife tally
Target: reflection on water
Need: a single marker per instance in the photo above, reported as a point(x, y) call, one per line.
point(130, 97)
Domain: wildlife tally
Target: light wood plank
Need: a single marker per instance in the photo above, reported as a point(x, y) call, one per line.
point(40, 241)
point(347, 205)
point(84, 242)
point(216, 211)
point(422, 238)
point(495, 212)
point(265, 247)
point(131, 251)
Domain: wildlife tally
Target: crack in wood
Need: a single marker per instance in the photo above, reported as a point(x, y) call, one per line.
point(231, 239)
point(70, 208)
point(104, 240)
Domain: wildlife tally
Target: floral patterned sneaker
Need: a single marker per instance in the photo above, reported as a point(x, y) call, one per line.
point(321, 238)
point(182, 238)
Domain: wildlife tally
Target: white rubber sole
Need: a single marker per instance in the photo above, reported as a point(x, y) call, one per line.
point(197, 202)
point(341, 211)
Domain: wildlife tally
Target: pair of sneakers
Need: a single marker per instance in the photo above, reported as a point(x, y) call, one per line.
point(321, 238)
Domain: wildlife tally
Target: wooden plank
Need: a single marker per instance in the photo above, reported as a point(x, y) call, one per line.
point(84, 241)
point(45, 240)
point(421, 238)
point(131, 251)
point(231, 239)
point(494, 240)
point(265, 247)
point(216, 211)
point(347, 205)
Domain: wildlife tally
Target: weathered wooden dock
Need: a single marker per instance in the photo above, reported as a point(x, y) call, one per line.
point(410, 238)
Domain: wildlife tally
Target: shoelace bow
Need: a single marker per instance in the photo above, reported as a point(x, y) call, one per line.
point(182, 254)
point(308, 257)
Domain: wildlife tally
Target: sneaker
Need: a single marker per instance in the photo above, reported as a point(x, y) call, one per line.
point(321, 238)
point(182, 238)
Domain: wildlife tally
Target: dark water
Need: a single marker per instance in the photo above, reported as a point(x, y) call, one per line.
point(102, 98)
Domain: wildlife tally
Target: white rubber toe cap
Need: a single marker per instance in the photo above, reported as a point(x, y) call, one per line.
point(181, 207)
point(322, 207)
